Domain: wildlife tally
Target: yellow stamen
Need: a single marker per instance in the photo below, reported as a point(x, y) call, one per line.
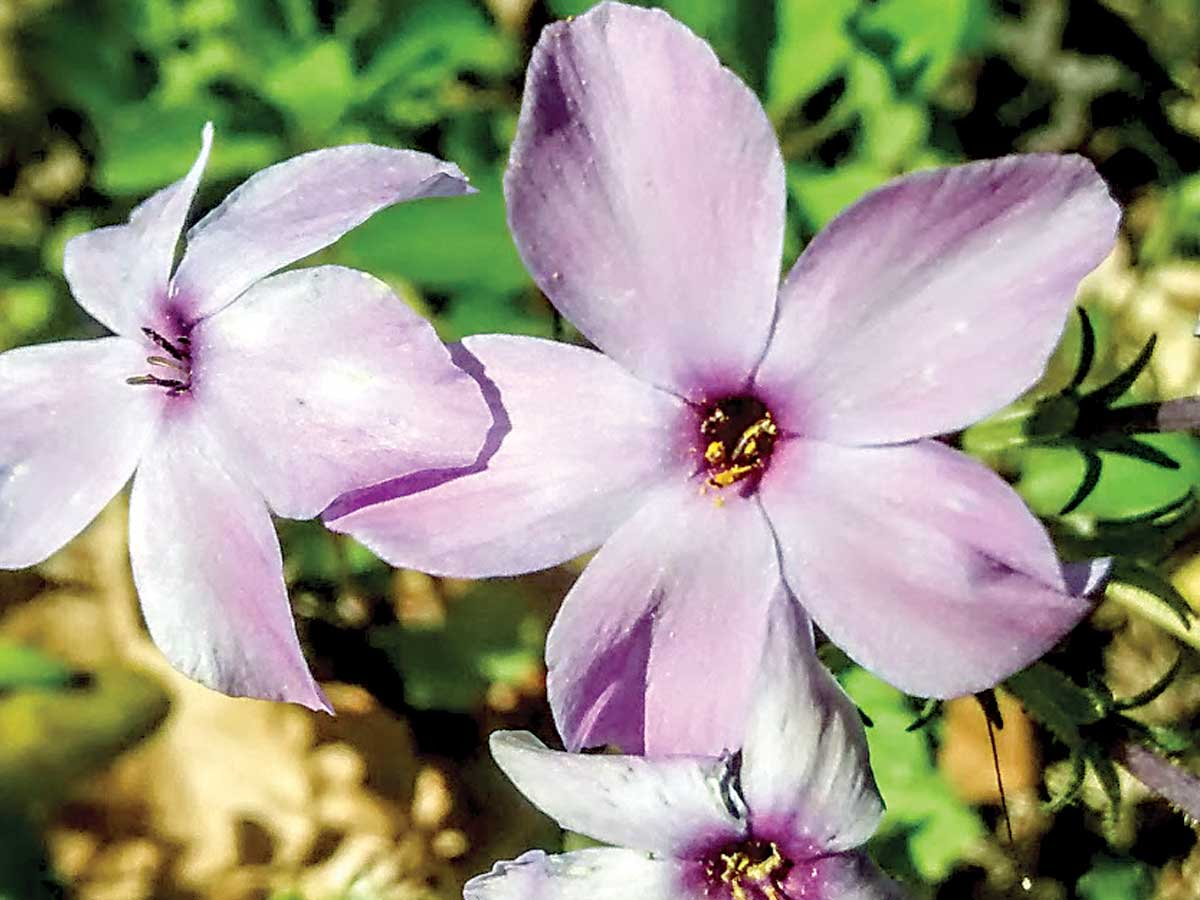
point(748, 454)
point(739, 870)
point(747, 444)
point(726, 477)
point(763, 870)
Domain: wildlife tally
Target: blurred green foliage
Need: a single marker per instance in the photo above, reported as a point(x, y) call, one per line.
point(490, 636)
point(23, 668)
point(1113, 879)
point(929, 822)
point(273, 77)
point(109, 100)
point(852, 84)
point(54, 735)
point(24, 867)
point(278, 78)
point(57, 726)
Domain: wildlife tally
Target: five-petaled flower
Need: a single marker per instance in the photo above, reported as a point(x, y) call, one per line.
point(230, 393)
point(782, 819)
point(735, 436)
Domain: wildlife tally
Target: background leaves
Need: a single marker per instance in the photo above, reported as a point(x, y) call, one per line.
point(101, 102)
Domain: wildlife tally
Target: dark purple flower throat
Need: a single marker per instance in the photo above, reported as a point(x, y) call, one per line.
point(750, 870)
point(737, 435)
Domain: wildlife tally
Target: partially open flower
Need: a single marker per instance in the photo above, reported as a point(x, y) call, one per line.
point(232, 394)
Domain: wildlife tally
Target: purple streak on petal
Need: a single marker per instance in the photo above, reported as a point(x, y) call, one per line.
point(120, 274)
point(698, 577)
point(295, 208)
point(606, 705)
point(72, 434)
point(646, 195)
point(952, 587)
point(1169, 780)
point(209, 573)
point(323, 380)
point(658, 805)
point(806, 775)
point(575, 444)
point(936, 299)
point(594, 874)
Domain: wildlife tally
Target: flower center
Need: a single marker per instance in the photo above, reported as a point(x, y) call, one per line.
point(738, 434)
point(172, 372)
point(753, 870)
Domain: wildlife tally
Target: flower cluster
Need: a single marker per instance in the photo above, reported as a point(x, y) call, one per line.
point(745, 452)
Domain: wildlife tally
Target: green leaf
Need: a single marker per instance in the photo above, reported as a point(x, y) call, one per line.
point(490, 635)
point(144, 150)
point(89, 58)
point(487, 312)
point(1115, 879)
point(919, 39)
point(23, 667)
point(920, 803)
point(1055, 701)
point(314, 87)
point(741, 33)
point(892, 128)
point(1172, 740)
point(565, 8)
point(823, 193)
point(414, 73)
point(53, 738)
point(447, 244)
point(810, 47)
point(310, 553)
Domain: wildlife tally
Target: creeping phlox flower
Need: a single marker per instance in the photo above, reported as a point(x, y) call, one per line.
point(230, 393)
point(781, 820)
point(735, 434)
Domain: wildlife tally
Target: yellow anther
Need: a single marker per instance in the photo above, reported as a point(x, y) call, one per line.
point(764, 869)
point(733, 474)
point(744, 866)
point(747, 444)
point(738, 440)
